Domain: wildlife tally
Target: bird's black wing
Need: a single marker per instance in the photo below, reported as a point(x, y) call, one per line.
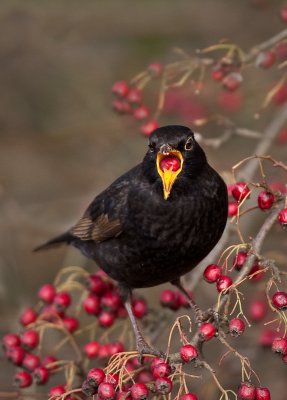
point(104, 217)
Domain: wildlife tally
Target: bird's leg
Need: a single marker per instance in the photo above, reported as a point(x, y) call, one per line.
point(142, 346)
point(199, 316)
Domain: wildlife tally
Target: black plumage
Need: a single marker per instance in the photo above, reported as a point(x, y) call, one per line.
point(142, 236)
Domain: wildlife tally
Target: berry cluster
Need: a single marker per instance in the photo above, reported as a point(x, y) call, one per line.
point(247, 391)
point(173, 299)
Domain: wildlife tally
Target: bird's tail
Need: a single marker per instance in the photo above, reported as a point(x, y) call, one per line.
point(65, 238)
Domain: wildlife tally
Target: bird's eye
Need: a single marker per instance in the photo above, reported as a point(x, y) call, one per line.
point(151, 147)
point(189, 144)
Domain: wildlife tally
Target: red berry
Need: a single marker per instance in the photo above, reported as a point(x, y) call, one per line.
point(120, 88)
point(223, 283)
point(106, 319)
point(95, 377)
point(283, 13)
point(161, 369)
point(281, 51)
point(282, 217)
point(170, 163)
point(92, 304)
point(23, 379)
point(30, 362)
point(257, 310)
point(182, 299)
point(230, 101)
point(169, 298)
point(11, 340)
point(104, 351)
point(29, 339)
point(47, 293)
point(41, 375)
point(279, 346)
point(57, 390)
point(144, 376)
point(246, 391)
point(116, 347)
point(121, 106)
point(134, 96)
point(239, 260)
point(111, 301)
point(188, 353)
point(262, 394)
point(141, 112)
point(236, 327)
point(121, 312)
point(280, 96)
point(95, 284)
point(62, 300)
point(232, 81)
point(212, 272)
point(70, 323)
point(113, 379)
point(232, 208)
point(163, 385)
point(28, 316)
point(256, 271)
point(266, 59)
point(106, 391)
point(91, 349)
point(207, 331)
point(266, 337)
point(284, 358)
point(155, 362)
point(188, 396)
point(147, 128)
point(155, 69)
point(139, 308)
point(48, 360)
point(279, 300)
point(139, 391)
point(265, 200)
point(240, 191)
point(124, 395)
point(15, 354)
point(217, 73)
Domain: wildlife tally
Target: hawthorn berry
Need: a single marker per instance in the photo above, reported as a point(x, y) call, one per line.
point(106, 391)
point(170, 163)
point(212, 272)
point(279, 300)
point(115, 347)
point(91, 349)
point(57, 390)
point(266, 337)
point(92, 304)
point(41, 375)
point(134, 96)
point(239, 260)
point(217, 73)
point(120, 88)
point(139, 391)
point(139, 308)
point(207, 331)
point(232, 81)
point(236, 327)
point(10, 340)
point(106, 319)
point(246, 391)
point(230, 101)
point(266, 59)
point(147, 128)
point(29, 339)
point(257, 310)
point(70, 323)
point(48, 360)
point(15, 354)
point(256, 273)
point(141, 112)
point(163, 385)
point(155, 69)
point(223, 283)
point(30, 361)
point(47, 293)
point(161, 369)
point(104, 351)
point(188, 353)
point(144, 376)
point(95, 284)
point(188, 396)
point(28, 316)
point(232, 208)
point(62, 300)
point(169, 298)
point(23, 379)
point(262, 394)
point(155, 362)
point(240, 191)
point(282, 217)
point(283, 13)
point(279, 346)
point(95, 376)
point(265, 200)
point(111, 301)
point(113, 379)
point(121, 106)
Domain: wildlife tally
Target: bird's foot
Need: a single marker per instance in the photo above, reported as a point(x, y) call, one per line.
point(144, 348)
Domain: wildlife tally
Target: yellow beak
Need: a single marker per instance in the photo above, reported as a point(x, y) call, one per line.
point(168, 176)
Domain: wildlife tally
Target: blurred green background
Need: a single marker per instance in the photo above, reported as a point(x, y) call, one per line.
point(60, 142)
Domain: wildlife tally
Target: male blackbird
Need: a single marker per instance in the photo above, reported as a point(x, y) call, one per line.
point(157, 221)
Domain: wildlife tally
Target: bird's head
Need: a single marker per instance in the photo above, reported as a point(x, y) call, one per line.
point(173, 155)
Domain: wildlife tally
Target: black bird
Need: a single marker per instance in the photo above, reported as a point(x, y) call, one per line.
point(157, 221)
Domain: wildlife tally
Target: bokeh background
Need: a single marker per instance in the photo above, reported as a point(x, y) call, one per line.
point(60, 142)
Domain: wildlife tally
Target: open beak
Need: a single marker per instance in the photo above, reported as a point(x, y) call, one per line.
point(169, 165)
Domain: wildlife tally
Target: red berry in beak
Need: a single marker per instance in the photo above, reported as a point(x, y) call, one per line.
point(170, 163)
